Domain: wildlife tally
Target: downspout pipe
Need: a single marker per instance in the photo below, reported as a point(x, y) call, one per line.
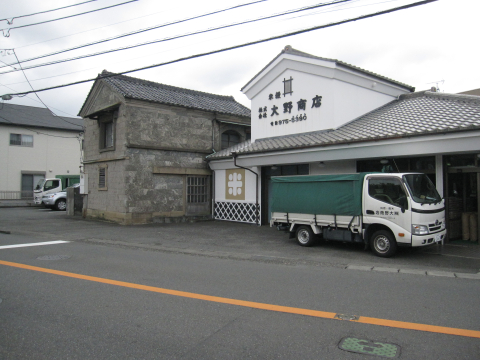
point(257, 217)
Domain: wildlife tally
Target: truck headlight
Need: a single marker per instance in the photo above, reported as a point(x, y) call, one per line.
point(419, 229)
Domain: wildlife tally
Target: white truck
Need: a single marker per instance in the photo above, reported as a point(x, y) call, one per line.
point(53, 185)
point(381, 210)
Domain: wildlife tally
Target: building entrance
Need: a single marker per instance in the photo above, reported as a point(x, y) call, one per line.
point(462, 200)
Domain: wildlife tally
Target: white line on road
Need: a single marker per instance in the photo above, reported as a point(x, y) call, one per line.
point(34, 244)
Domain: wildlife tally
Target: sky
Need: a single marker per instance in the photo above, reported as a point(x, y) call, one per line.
point(424, 46)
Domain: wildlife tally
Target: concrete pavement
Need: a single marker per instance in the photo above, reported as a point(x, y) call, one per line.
point(241, 242)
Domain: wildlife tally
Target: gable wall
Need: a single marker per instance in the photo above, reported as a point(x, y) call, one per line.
point(346, 94)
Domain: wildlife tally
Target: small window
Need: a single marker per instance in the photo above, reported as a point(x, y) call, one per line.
point(287, 86)
point(230, 138)
point(102, 178)
point(197, 189)
point(107, 131)
point(21, 140)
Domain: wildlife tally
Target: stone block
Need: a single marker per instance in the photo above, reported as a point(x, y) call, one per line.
point(441, 273)
point(359, 267)
point(385, 269)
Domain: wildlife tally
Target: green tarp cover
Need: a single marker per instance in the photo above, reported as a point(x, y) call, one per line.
point(318, 194)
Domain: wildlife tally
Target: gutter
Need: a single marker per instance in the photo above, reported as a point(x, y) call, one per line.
point(257, 217)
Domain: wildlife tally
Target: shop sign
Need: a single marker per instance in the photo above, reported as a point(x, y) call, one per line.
point(297, 110)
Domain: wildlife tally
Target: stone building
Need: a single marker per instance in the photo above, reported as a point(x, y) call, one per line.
point(145, 148)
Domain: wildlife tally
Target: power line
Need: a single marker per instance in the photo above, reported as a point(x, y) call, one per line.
point(81, 32)
point(91, 68)
point(178, 36)
point(10, 22)
point(51, 112)
point(138, 32)
point(237, 46)
point(30, 98)
point(6, 31)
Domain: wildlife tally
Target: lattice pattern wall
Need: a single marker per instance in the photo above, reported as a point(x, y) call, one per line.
point(236, 211)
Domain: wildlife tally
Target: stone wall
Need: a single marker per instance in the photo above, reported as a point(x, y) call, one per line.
point(168, 127)
point(156, 148)
point(162, 193)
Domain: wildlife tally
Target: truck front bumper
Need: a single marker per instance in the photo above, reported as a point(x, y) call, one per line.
point(48, 201)
point(424, 240)
point(37, 200)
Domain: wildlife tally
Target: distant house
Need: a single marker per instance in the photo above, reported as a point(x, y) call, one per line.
point(145, 148)
point(35, 144)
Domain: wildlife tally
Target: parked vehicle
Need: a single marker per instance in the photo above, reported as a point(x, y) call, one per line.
point(57, 201)
point(53, 185)
point(381, 210)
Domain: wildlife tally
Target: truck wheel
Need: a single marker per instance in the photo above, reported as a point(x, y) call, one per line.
point(61, 205)
point(305, 236)
point(383, 243)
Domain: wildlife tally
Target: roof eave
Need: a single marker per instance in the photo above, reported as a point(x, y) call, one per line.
point(361, 140)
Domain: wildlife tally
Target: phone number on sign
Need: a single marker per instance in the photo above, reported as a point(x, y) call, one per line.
point(293, 119)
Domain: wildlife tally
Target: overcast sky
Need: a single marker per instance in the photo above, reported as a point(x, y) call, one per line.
point(425, 46)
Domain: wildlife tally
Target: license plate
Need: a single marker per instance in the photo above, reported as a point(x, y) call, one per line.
point(438, 238)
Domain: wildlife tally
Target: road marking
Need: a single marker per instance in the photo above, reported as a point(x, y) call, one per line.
point(256, 305)
point(34, 244)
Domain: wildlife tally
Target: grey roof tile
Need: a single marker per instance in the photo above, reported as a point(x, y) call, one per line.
point(410, 115)
point(139, 89)
point(29, 116)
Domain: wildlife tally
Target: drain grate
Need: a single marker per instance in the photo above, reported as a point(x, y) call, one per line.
point(54, 257)
point(369, 347)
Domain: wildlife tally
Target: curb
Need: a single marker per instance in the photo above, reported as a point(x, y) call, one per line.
point(416, 272)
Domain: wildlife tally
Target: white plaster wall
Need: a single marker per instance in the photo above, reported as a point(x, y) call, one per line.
point(305, 86)
point(341, 102)
point(333, 167)
point(352, 101)
point(250, 189)
point(52, 155)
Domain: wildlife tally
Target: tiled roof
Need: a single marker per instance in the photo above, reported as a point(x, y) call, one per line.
point(289, 50)
point(29, 116)
point(228, 152)
point(139, 89)
point(417, 114)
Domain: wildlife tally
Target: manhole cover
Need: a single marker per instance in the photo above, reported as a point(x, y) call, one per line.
point(54, 257)
point(369, 347)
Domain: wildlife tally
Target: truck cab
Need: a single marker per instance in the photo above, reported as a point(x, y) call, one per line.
point(407, 206)
point(53, 185)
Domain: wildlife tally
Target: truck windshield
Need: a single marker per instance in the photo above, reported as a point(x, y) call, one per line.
point(40, 184)
point(422, 189)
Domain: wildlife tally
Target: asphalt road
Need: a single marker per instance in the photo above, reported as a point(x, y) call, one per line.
point(220, 290)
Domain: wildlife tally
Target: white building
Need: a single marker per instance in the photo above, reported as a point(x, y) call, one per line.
point(35, 144)
point(312, 115)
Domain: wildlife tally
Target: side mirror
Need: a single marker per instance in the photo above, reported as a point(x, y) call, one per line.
point(403, 204)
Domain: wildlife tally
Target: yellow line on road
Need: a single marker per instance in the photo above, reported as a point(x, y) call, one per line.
point(256, 305)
